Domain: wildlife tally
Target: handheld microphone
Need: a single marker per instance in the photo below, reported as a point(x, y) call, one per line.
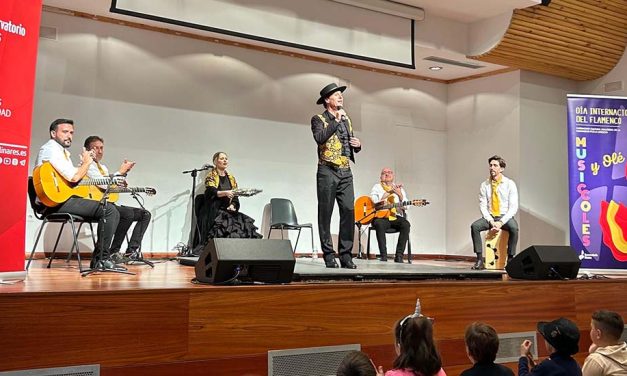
point(206, 167)
point(342, 117)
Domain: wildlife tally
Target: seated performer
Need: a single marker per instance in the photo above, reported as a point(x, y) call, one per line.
point(388, 192)
point(498, 202)
point(128, 214)
point(220, 216)
point(55, 151)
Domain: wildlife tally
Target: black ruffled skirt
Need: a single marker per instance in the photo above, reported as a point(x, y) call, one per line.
point(230, 224)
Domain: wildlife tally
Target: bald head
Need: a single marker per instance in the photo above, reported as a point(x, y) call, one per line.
point(387, 175)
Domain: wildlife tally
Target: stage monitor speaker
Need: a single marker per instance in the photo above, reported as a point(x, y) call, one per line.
point(545, 262)
point(249, 260)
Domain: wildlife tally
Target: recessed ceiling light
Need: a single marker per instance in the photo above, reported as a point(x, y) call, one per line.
point(435, 68)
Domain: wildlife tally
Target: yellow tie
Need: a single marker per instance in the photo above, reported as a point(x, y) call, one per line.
point(495, 207)
point(102, 171)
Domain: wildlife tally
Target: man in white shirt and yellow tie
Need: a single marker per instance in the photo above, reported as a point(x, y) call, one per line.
point(498, 202)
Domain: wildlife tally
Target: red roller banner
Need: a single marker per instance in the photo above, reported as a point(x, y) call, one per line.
point(19, 34)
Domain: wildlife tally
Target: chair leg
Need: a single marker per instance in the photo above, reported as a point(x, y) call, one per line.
point(297, 237)
point(368, 245)
point(269, 232)
point(54, 250)
point(36, 242)
point(281, 232)
point(408, 251)
point(69, 256)
point(75, 244)
point(312, 240)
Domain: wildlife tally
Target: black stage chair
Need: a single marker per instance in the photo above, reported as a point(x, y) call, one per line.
point(283, 217)
point(63, 218)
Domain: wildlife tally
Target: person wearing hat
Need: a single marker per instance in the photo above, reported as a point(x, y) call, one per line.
point(561, 338)
point(333, 132)
point(608, 354)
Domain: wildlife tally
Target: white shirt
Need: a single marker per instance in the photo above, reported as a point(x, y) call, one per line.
point(94, 173)
point(59, 158)
point(508, 199)
point(377, 192)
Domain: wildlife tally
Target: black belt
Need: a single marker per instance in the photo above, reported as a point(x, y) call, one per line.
point(333, 165)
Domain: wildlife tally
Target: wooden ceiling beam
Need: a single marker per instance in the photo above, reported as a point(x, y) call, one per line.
point(575, 39)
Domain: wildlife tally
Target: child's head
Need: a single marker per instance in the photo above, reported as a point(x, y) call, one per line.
point(482, 342)
point(356, 363)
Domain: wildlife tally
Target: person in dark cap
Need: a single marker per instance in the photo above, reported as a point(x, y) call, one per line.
point(561, 338)
point(333, 132)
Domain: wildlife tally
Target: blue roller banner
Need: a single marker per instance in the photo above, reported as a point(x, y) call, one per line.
point(597, 148)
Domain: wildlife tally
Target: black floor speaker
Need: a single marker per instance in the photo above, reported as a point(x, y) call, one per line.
point(545, 262)
point(247, 260)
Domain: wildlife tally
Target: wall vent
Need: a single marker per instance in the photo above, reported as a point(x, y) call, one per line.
point(48, 32)
point(509, 346)
point(311, 361)
point(613, 86)
point(87, 370)
point(453, 62)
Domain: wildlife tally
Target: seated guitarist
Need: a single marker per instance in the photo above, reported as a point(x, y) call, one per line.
point(128, 214)
point(388, 192)
point(56, 152)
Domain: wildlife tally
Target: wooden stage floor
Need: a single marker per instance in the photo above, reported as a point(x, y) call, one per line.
point(159, 323)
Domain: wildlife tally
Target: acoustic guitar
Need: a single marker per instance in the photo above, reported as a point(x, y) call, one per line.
point(96, 193)
point(53, 189)
point(366, 210)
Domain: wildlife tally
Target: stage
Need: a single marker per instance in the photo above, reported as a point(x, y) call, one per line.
point(158, 322)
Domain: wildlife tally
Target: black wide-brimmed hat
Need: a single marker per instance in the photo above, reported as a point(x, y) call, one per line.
point(328, 90)
point(562, 334)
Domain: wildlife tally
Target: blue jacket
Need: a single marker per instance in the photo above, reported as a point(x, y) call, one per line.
point(555, 365)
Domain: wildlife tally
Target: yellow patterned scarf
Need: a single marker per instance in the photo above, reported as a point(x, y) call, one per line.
point(213, 179)
point(390, 200)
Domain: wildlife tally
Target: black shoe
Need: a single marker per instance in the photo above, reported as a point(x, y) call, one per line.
point(478, 265)
point(348, 264)
point(118, 258)
point(383, 257)
point(329, 261)
point(398, 259)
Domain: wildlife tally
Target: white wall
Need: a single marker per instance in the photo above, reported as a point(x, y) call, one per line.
point(597, 86)
point(543, 183)
point(483, 119)
point(169, 103)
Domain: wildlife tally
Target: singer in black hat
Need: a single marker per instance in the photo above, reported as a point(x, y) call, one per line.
point(337, 145)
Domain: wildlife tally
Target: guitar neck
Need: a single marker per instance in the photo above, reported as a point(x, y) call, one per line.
point(397, 205)
point(99, 181)
point(129, 189)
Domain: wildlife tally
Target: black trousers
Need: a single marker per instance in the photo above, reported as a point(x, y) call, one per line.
point(108, 219)
point(402, 225)
point(482, 225)
point(335, 184)
point(128, 215)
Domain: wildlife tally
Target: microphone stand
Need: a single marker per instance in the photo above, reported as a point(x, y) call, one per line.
point(187, 251)
point(360, 252)
point(100, 265)
point(137, 255)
